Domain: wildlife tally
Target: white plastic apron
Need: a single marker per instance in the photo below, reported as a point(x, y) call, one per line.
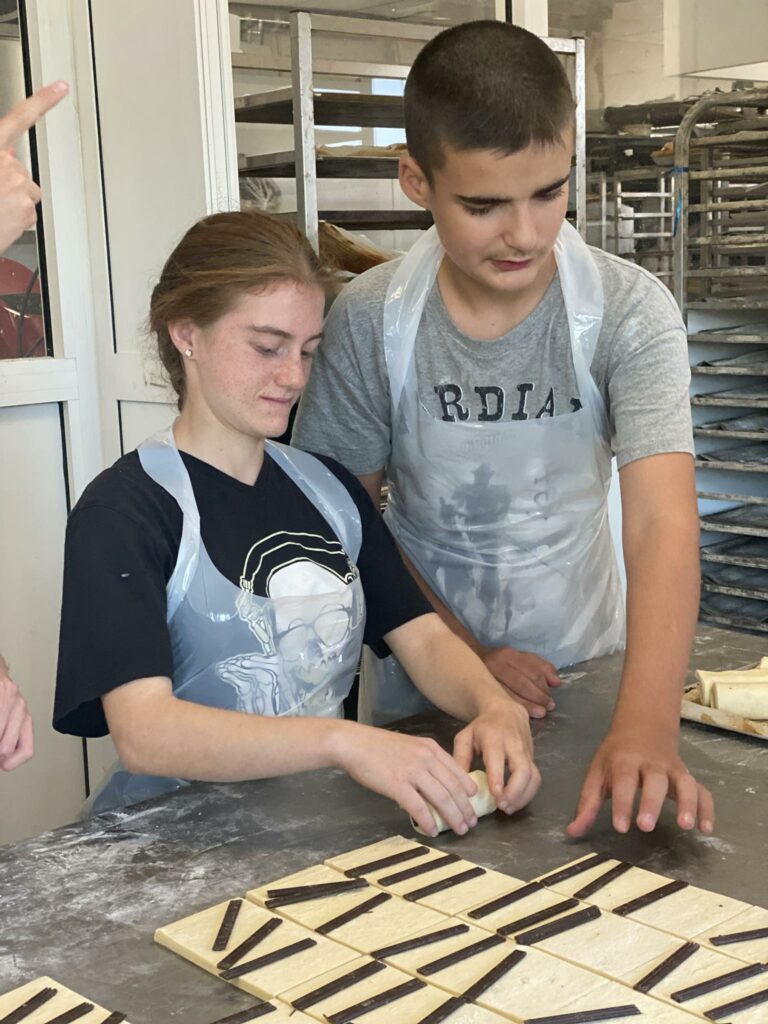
point(507, 521)
point(233, 649)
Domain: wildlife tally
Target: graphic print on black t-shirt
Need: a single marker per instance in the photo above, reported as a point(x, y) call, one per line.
point(284, 564)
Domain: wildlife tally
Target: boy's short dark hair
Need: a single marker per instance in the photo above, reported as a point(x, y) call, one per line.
point(484, 85)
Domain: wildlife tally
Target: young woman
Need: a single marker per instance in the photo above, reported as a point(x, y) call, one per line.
point(218, 587)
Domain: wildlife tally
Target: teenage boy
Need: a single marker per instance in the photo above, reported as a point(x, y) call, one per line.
point(490, 375)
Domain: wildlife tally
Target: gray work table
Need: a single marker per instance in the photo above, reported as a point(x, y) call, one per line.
point(81, 903)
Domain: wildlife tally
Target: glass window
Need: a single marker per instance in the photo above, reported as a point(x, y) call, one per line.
point(22, 280)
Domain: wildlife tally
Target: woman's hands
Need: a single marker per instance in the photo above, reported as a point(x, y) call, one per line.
point(419, 775)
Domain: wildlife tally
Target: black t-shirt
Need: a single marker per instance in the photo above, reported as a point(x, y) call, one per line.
point(122, 542)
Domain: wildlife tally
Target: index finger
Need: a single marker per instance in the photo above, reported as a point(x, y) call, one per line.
point(28, 112)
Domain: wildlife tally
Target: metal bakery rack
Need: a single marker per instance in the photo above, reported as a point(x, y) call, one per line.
point(720, 280)
point(307, 107)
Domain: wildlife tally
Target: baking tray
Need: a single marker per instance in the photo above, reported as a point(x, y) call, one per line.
point(692, 710)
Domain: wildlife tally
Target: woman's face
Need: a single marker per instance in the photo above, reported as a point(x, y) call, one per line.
point(250, 366)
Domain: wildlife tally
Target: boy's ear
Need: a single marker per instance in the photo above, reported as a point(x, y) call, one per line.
point(414, 182)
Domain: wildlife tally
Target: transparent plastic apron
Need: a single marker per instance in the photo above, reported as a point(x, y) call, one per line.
point(233, 649)
point(506, 521)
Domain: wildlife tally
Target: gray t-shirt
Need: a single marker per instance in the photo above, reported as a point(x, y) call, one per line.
point(640, 366)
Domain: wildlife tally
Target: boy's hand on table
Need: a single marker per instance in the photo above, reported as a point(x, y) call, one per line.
point(526, 676)
point(501, 735)
point(414, 771)
point(641, 760)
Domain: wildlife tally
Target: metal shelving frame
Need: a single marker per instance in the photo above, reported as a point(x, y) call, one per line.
point(720, 280)
point(305, 107)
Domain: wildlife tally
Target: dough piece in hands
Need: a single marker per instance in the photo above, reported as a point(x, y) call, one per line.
point(380, 924)
point(748, 700)
point(705, 966)
point(193, 938)
point(483, 802)
point(61, 1000)
point(751, 947)
point(610, 945)
point(416, 1000)
point(707, 680)
point(611, 993)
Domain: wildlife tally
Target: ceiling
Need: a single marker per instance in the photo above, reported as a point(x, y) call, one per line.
point(566, 17)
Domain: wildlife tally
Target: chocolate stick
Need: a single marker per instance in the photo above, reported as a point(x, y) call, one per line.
point(69, 1015)
point(420, 869)
point(493, 975)
point(248, 944)
point(442, 1011)
point(570, 871)
point(224, 933)
point(649, 898)
point(602, 880)
point(268, 958)
point(386, 862)
point(728, 940)
point(391, 995)
point(587, 1016)
point(260, 1009)
point(538, 917)
point(350, 915)
point(503, 901)
point(473, 949)
point(27, 1008)
point(737, 1005)
point(115, 1018)
point(332, 988)
point(721, 981)
point(419, 941)
point(562, 924)
point(302, 893)
point(665, 968)
point(444, 883)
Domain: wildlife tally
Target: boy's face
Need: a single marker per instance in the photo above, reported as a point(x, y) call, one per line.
point(497, 216)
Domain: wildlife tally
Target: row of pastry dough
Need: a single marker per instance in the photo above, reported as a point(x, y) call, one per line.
point(742, 692)
point(44, 1000)
point(610, 945)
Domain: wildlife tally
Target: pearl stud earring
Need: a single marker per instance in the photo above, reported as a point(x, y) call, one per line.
point(188, 353)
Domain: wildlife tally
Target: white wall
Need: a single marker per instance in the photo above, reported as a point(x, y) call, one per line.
point(626, 59)
point(702, 35)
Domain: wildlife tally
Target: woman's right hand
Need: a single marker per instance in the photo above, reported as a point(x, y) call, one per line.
point(414, 771)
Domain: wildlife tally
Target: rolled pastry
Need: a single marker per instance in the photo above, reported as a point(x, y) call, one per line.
point(707, 680)
point(483, 802)
point(748, 700)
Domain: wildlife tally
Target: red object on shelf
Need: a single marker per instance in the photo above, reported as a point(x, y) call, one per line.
point(16, 282)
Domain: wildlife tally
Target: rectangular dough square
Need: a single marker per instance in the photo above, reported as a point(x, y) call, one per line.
point(62, 1000)
point(610, 945)
point(384, 924)
point(539, 902)
point(408, 1009)
point(750, 950)
point(455, 898)
point(392, 846)
point(707, 965)
point(193, 937)
point(684, 913)
point(612, 993)
point(621, 889)
point(538, 984)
